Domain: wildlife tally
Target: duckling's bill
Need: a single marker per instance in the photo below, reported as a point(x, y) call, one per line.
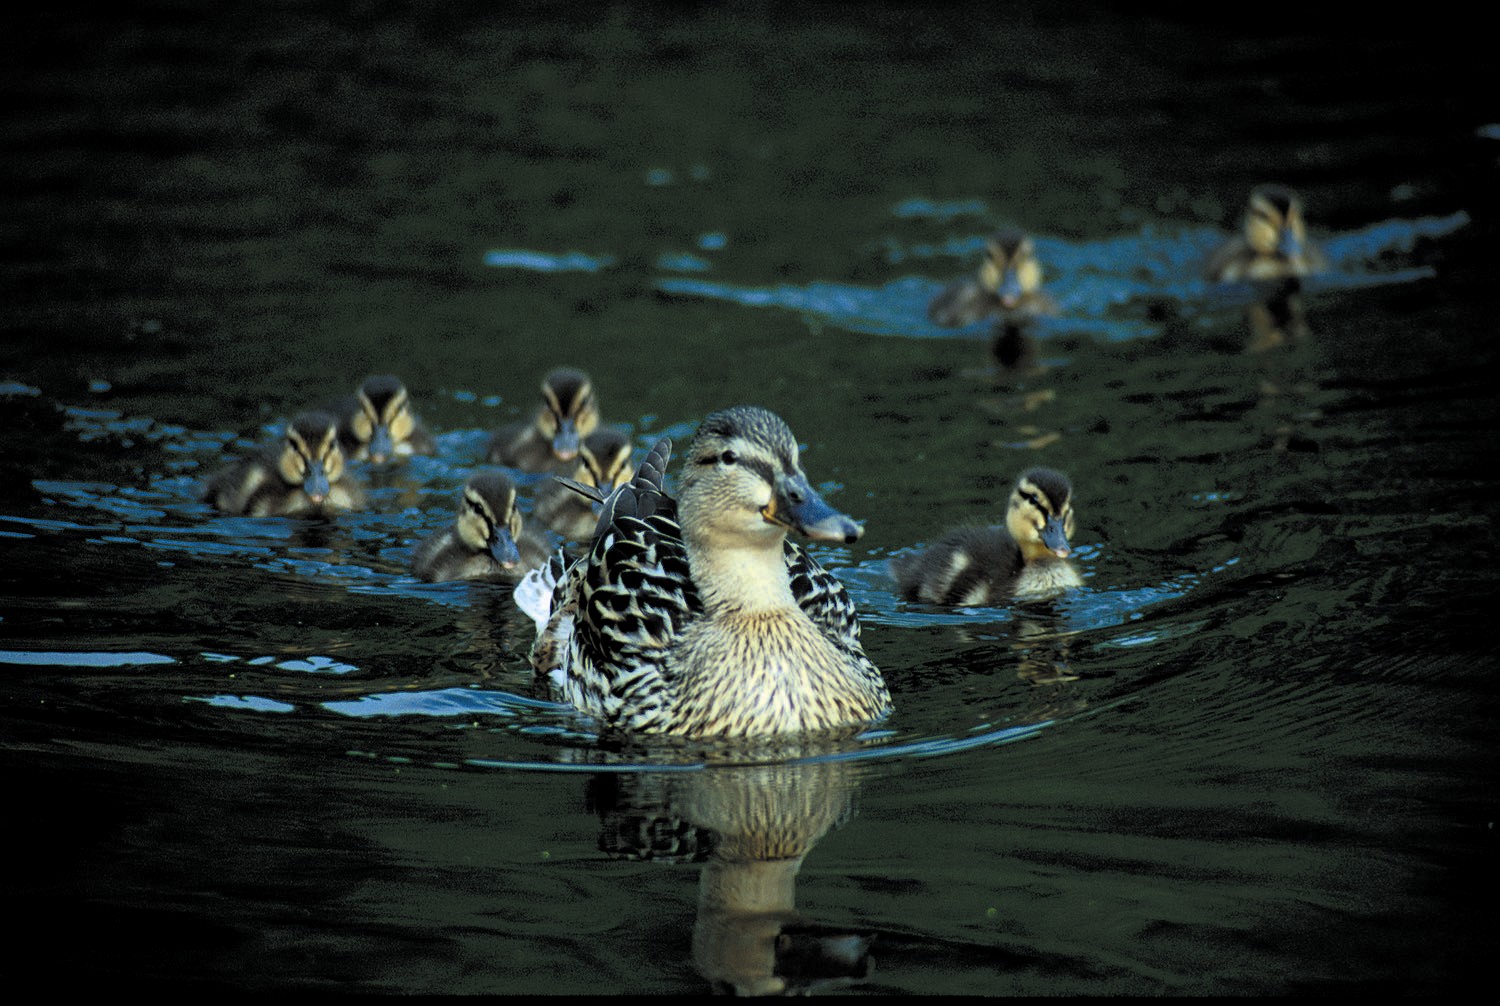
point(1055, 538)
point(315, 483)
point(503, 548)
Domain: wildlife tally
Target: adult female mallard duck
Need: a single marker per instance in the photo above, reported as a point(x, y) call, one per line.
point(603, 463)
point(988, 565)
point(1272, 243)
point(1007, 287)
point(697, 617)
point(303, 475)
point(568, 414)
point(377, 424)
point(487, 542)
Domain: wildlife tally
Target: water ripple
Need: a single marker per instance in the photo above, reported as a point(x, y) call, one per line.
point(1090, 281)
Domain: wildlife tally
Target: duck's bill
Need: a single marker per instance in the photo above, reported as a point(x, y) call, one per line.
point(1056, 539)
point(798, 507)
point(315, 483)
point(1010, 292)
point(382, 447)
point(565, 443)
point(503, 549)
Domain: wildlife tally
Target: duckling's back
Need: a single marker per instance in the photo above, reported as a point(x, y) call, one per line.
point(969, 566)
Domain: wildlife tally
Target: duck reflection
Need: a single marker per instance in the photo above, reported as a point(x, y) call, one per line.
point(751, 826)
point(1273, 255)
point(1277, 317)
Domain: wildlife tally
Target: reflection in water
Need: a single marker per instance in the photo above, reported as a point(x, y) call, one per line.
point(1277, 353)
point(1042, 658)
point(1278, 318)
point(751, 825)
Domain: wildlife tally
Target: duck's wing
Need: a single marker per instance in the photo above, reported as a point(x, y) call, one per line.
point(629, 598)
point(822, 596)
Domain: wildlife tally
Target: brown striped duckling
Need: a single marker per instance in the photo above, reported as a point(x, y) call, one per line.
point(697, 617)
point(304, 475)
point(377, 424)
point(978, 566)
point(1272, 243)
point(488, 541)
point(551, 438)
point(1007, 287)
point(603, 463)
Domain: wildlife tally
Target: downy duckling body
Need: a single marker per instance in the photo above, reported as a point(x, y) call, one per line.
point(603, 463)
point(488, 541)
point(1272, 243)
point(1008, 286)
point(569, 413)
point(304, 475)
point(377, 424)
point(697, 617)
point(979, 566)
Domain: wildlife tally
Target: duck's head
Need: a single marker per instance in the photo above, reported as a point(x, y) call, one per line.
point(570, 413)
point(744, 484)
point(310, 454)
point(1274, 226)
point(1010, 269)
point(1040, 516)
point(604, 460)
point(384, 419)
point(488, 520)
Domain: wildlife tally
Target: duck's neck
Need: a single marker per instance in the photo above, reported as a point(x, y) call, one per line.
point(745, 580)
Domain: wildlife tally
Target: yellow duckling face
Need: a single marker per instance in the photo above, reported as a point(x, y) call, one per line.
point(744, 484)
point(311, 455)
point(488, 520)
point(1040, 516)
point(604, 460)
point(1010, 269)
point(570, 413)
point(1274, 224)
point(384, 420)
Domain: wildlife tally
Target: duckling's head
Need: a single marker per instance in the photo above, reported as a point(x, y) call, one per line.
point(604, 460)
point(488, 520)
point(310, 454)
point(570, 412)
point(1040, 517)
point(1274, 226)
point(744, 484)
point(1010, 269)
point(384, 419)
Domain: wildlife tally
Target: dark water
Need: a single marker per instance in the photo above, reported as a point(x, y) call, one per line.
point(1255, 754)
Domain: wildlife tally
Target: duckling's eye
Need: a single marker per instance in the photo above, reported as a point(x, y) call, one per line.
point(728, 457)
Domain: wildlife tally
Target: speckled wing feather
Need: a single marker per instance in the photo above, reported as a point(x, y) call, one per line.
point(631, 596)
point(822, 597)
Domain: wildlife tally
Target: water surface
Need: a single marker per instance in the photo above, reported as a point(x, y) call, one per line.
point(1254, 754)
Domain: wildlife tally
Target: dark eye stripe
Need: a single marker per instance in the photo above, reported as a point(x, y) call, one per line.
point(761, 468)
point(1035, 501)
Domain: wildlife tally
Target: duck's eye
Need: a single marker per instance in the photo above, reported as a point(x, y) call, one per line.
point(728, 457)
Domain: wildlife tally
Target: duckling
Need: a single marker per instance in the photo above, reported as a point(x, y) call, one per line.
point(603, 463)
point(987, 565)
point(568, 413)
point(1008, 286)
point(487, 542)
point(377, 424)
point(697, 617)
point(1272, 243)
point(303, 476)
